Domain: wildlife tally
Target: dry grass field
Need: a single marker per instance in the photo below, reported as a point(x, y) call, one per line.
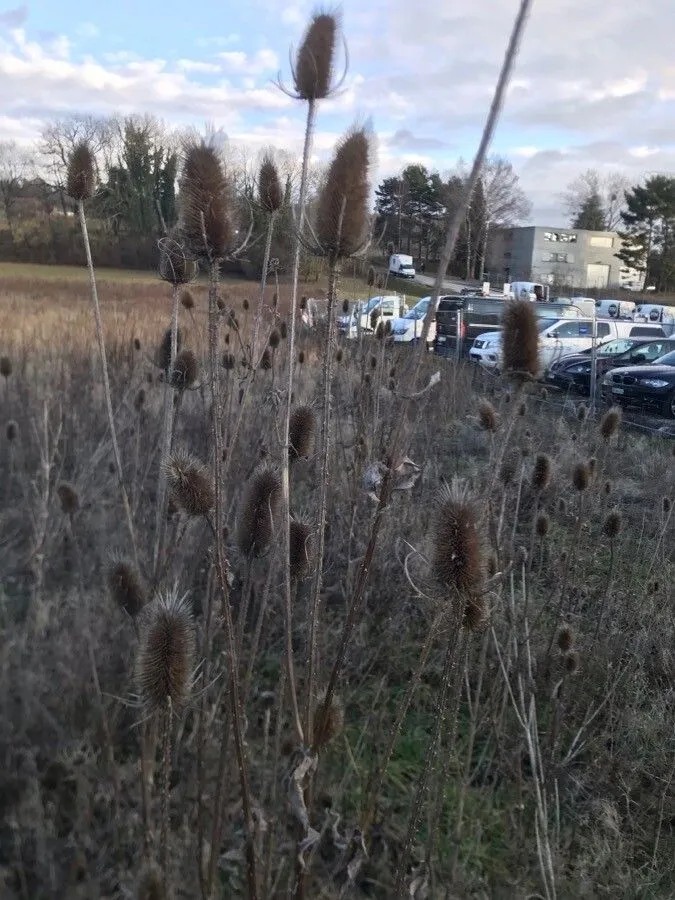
point(520, 745)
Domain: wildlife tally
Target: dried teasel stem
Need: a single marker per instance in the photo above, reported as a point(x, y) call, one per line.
point(235, 691)
point(104, 366)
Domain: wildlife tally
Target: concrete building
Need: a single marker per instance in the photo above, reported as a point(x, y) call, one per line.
point(561, 257)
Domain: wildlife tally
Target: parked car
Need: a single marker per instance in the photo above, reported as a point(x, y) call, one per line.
point(409, 328)
point(573, 372)
point(557, 339)
point(650, 386)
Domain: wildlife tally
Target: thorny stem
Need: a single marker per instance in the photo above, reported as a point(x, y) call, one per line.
point(323, 494)
point(263, 285)
point(167, 431)
point(106, 379)
point(285, 465)
point(166, 771)
point(235, 695)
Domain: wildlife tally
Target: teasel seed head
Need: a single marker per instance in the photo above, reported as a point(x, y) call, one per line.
point(373, 362)
point(299, 549)
point(562, 506)
point(185, 370)
point(245, 304)
point(5, 366)
point(571, 662)
point(328, 727)
point(167, 652)
point(303, 302)
point(666, 505)
point(176, 265)
point(582, 412)
point(315, 60)
point(476, 613)
point(301, 431)
point(283, 330)
point(11, 431)
point(338, 355)
point(342, 216)
point(266, 360)
point(190, 484)
point(258, 514)
point(522, 409)
point(125, 586)
point(81, 173)
point(270, 192)
point(542, 525)
point(139, 400)
point(69, 497)
point(610, 423)
point(487, 416)
point(611, 527)
point(205, 203)
point(228, 361)
point(581, 476)
point(520, 341)
point(301, 357)
point(592, 465)
point(187, 300)
point(164, 351)
point(345, 306)
point(541, 473)
point(274, 339)
point(607, 488)
point(565, 639)
point(370, 279)
point(457, 555)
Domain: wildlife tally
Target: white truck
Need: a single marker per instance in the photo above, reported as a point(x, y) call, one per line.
point(401, 266)
point(363, 316)
point(525, 290)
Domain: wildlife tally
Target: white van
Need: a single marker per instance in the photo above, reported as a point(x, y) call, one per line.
point(614, 309)
point(524, 290)
point(656, 314)
point(401, 265)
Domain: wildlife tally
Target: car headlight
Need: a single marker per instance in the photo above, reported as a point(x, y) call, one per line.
point(654, 382)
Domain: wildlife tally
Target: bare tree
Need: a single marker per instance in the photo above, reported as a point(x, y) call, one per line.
point(15, 167)
point(610, 187)
point(58, 138)
point(505, 201)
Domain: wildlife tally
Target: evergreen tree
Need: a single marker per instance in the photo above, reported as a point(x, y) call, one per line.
point(592, 214)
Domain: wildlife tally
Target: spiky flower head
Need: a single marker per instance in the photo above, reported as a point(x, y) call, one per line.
point(301, 430)
point(476, 613)
point(565, 639)
point(12, 430)
point(205, 203)
point(370, 278)
point(541, 472)
point(176, 265)
point(167, 652)
point(164, 349)
point(457, 555)
point(582, 412)
point(314, 63)
point(581, 476)
point(611, 527)
point(266, 360)
point(520, 341)
point(185, 370)
point(274, 339)
point(190, 484)
point(270, 193)
point(328, 725)
point(187, 300)
point(542, 525)
point(342, 216)
point(299, 549)
point(487, 416)
point(5, 366)
point(125, 586)
point(571, 662)
point(69, 497)
point(259, 512)
point(610, 423)
point(81, 174)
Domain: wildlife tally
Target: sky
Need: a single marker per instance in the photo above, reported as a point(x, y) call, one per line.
point(593, 87)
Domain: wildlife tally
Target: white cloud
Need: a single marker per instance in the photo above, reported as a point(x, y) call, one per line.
point(594, 85)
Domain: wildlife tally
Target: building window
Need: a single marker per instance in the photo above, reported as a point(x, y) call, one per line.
point(557, 257)
point(562, 237)
point(602, 241)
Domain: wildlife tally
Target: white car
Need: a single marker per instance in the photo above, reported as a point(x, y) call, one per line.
point(409, 328)
point(487, 349)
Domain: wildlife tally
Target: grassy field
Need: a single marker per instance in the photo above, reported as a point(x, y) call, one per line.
point(530, 725)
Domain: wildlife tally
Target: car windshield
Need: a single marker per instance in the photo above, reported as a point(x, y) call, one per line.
point(546, 323)
point(371, 304)
point(418, 311)
point(667, 360)
point(613, 348)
